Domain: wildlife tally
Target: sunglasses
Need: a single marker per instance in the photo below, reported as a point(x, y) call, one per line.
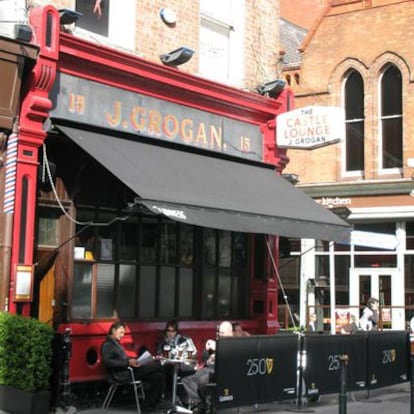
point(170, 330)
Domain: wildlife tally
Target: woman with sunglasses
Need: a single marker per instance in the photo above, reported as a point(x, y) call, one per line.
point(174, 345)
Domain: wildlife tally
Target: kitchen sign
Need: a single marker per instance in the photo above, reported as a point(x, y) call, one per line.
point(311, 127)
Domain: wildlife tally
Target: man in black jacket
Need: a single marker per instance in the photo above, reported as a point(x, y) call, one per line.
point(117, 362)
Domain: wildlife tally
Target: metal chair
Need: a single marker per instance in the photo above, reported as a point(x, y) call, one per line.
point(136, 384)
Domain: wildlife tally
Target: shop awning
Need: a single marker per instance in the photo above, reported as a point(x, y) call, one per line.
point(211, 192)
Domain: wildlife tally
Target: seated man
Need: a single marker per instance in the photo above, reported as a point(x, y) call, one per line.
point(117, 362)
point(195, 385)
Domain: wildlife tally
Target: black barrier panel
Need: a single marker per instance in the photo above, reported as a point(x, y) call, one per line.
point(323, 354)
point(279, 355)
point(255, 369)
point(388, 358)
point(234, 385)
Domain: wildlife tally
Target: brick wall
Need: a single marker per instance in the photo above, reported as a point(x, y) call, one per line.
point(153, 37)
point(364, 38)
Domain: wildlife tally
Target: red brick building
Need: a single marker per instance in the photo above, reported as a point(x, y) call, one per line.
point(148, 185)
point(358, 55)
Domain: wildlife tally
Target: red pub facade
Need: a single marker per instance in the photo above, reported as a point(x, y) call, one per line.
point(146, 194)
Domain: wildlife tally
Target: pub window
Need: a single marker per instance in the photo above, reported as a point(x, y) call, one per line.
point(409, 234)
point(391, 118)
point(152, 268)
point(102, 19)
point(82, 288)
point(224, 274)
point(47, 231)
point(221, 40)
point(354, 122)
point(409, 283)
point(95, 15)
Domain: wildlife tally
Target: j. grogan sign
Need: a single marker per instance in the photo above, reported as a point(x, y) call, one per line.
point(93, 103)
point(310, 127)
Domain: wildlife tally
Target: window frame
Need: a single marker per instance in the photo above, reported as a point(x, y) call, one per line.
point(350, 121)
point(233, 24)
point(389, 117)
point(124, 17)
point(238, 300)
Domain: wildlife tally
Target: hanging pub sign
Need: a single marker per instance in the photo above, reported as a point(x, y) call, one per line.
point(310, 127)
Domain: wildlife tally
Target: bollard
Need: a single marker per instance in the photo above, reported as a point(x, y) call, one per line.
point(299, 385)
point(342, 392)
point(65, 395)
point(66, 350)
point(300, 388)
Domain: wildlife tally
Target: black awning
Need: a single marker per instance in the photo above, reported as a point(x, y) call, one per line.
point(211, 192)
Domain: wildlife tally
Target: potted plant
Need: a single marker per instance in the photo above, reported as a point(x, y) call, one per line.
point(25, 364)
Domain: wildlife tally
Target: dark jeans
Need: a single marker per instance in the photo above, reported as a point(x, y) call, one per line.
point(152, 374)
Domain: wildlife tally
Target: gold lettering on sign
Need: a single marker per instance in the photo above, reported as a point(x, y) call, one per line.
point(216, 137)
point(154, 122)
point(115, 118)
point(245, 144)
point(201, 135)
point(170, 126)
point(138, 118)
point(77, 103)
point(186, 130)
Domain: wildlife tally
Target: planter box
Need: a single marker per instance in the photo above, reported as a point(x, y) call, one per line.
point(16, 401)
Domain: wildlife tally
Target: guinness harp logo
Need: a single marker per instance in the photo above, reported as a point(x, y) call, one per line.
point(269, 365)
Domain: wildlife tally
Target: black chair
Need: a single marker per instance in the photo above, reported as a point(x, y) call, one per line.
point(136, 384)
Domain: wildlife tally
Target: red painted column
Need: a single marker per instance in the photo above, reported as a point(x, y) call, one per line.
point(34, 110)
point(266, 291)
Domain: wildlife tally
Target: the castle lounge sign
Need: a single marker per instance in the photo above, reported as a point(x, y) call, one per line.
point(310, 127)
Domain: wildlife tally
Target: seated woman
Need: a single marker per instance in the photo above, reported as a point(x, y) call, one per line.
point(176, 345)
point(117, 362)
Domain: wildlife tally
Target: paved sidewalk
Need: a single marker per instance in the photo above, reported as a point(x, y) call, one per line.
point(389, 400)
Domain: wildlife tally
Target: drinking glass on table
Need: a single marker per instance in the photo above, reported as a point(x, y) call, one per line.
point(166, 351)
point(179, 352)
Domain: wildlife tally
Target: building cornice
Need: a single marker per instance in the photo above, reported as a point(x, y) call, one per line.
point(377, 188)
point(108, 65)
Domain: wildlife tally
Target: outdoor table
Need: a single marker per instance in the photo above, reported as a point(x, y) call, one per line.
point(175, 362)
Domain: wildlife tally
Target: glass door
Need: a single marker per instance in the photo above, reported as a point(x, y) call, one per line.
point(383, 284)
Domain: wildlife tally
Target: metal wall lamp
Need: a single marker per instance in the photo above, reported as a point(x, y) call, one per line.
point(272, 89)
point(68, 16)
point(291, 177)
point(177, 57)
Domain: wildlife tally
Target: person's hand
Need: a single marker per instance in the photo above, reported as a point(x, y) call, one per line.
point(133, 362)
point(212, 358)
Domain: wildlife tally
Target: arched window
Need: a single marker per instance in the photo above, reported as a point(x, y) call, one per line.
point(288, 80)
point(354, 120)
point(391, 118)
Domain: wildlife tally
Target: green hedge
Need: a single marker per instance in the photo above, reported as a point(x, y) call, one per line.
point(25, 352)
